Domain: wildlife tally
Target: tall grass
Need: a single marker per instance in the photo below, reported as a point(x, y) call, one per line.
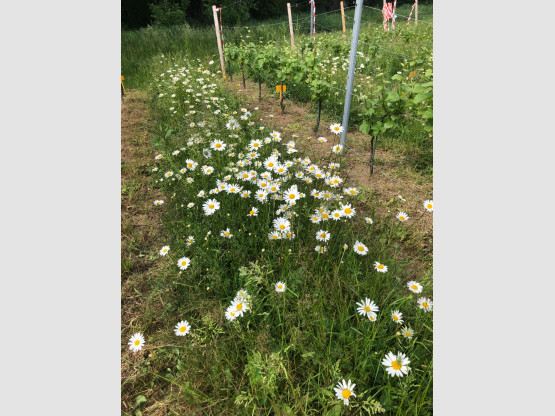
point(286, 354)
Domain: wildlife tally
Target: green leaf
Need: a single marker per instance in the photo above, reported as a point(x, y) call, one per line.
point(365, 127)
point(393, 96)
point(140, 401)
point(421, 97)
point(388, 124)
point(335, 410)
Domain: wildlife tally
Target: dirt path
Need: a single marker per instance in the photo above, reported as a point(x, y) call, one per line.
point(391, 178)
point(141, 230)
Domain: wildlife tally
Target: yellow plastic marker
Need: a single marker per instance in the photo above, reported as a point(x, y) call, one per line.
point(122, 87)
point(278, 89)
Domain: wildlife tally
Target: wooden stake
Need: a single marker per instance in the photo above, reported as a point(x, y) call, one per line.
point(290, 24)
point(416, 13)
point(343, 21)
point(217, 26)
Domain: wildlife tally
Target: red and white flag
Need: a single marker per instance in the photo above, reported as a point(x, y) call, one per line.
point(387, 12)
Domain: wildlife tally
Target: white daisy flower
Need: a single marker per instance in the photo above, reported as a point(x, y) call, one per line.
point(336, 214)
point(261, 195)
point(226, 233)
point(414, 287)
point(367, 307)
point(322, 139)
point(218, 145)
point(396, 365)
point(183, 263)
point(382, 268)
point(347, 211)
point(231, 313)
point(201, 194)
point(323, 236)
point(337, 148)
point(407, 332)
point(155, 169)
point(253, 212)
point(240, 306)
point(315, 219)
point(182, 328)
point(291, 195)
point(136, 342)
point(164, 250)
point(245, 194)
point(158, 157)
point(368, 220)
point(158, 202)
point(210, 206)
point(360, 248)
point(241, 294)
point(280, 287)
point(207, 169)
point(191, 164)
point(350, 191)
point(429, 205)
point(336, 128)
point(281, 224)
point(274, 235)
point(190, 240)
point(425, 303)
point(320, 249)
point(190, 205)
point(402, 216)
point(397, 317)
point(344, 391)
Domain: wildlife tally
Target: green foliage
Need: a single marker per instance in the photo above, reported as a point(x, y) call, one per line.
point(167, 13)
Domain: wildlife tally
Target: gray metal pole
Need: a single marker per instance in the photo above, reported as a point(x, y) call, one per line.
point(351, 73)
point(311, 19)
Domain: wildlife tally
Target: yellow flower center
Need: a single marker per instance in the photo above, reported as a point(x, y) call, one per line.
point(425, 304)
point(429, 206)
point(280, 287)
point(211, 206)
point(325, 216)
point(274, 237)
point(255, 145)
point(414, 287)
point(346, 393)
point(396, 365)
point(282, 227)
point(245, 175)
point(407, 334)
point(183, 263)
point(348, 210)
point(232, 313)
point(367, 308)
point(401, 218)
point(252, 212)
point(137, 342)
point(380, 266)
point(361, 248)
point(165, 250)
point(239, 306)
point(183, 329)
point(323, 235)
point(227, 233)
point(353, 192)
point(395, 318)
point(372, 318)
point(292, 196)
point(337, 129)
point(270, 164)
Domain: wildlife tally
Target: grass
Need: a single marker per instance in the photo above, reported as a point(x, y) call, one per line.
point(286, 354)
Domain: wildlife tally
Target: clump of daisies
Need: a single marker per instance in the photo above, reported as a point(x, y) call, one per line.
point(238, 306)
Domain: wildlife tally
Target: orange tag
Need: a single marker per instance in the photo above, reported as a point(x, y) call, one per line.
point(278, 88)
